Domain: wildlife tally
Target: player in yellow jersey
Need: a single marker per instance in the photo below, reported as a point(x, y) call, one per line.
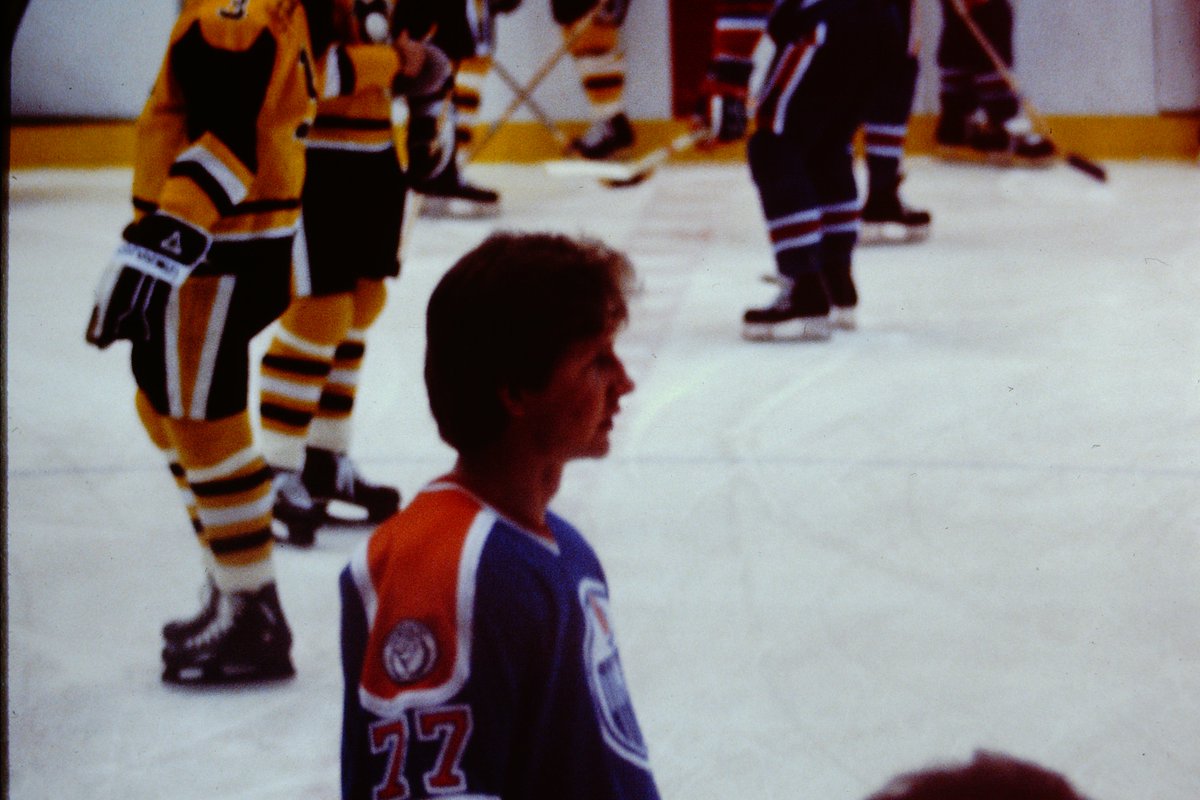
point(353, 209)
point(466, 31)
point(203, 267)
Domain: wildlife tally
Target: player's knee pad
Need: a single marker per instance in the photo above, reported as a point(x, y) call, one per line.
point(204, 444)
point(369, 300)
point(153, 421)
point(323, 320)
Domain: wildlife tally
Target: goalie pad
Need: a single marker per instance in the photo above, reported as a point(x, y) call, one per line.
point(158, 254)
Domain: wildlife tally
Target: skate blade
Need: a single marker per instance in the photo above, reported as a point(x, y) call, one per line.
point(876, 234)
point(802, 329)
point(294, 535)
point(351, 515)
point(206, 675)
point(433, 207)
point(843, 318)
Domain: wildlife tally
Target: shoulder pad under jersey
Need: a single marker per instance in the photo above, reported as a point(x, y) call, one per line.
point(238, 24)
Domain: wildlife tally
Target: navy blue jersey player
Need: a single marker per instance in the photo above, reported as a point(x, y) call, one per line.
point(831, 59)
point(479, 652)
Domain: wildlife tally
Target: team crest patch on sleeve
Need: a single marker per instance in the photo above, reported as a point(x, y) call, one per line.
point(410, 652)
point(606, 679)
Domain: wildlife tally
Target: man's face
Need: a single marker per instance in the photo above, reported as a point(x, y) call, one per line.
point(573, 415)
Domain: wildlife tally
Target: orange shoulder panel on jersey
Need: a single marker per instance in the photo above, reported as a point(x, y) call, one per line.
point(220, 139)
point(421, 565)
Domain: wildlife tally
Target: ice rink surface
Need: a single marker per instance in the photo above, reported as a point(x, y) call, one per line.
point(973, 523)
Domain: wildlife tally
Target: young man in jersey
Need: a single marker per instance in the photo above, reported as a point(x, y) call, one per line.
point(353, 207)
point(478, 649)
point(980, 115)
point(830, 59)
point(205, 265)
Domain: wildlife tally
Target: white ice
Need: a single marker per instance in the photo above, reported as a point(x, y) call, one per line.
point(973, 523)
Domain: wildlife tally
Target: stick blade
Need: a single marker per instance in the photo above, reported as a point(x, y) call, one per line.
point(584, 168)
point(1088, 167)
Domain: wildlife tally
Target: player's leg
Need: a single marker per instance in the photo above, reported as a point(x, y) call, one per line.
point(959, 60)
point(874, 50)
point(990, 122)
point(885, 216)
point(353, 214)
point(246, 636)
point(833, 178)
point(798, 108)
point(781, 171)
point(299, 358)
point(369, 248)
point(193, 381)
point(156, 427)
point(329, 473)
point(600, 62)
point(295, 370)
point(1003, 129)
point(465, 31)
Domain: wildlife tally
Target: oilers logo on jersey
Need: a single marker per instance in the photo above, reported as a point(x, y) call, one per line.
point(410, 652)
point(606, 679)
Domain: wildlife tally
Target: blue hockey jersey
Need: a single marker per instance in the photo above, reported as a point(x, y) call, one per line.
point(480, 662)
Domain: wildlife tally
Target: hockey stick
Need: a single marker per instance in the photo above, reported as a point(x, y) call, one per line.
point(534, 106)
point(1084, 165)
point(619, 174)
point(531, 85)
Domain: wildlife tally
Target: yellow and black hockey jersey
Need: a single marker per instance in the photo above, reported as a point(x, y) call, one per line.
point(355, 112)
point(220, 142)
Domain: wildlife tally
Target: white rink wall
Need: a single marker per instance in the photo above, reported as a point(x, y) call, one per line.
point(97, 58)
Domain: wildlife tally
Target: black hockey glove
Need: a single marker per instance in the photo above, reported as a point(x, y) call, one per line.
point(725, 116)
point(430, 140)
point(158, 254)
point(794, 20)
point(431, 80)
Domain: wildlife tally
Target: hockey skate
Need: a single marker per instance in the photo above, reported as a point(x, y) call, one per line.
point(887, 220)
point(450, 196)
point(177, 630)
point(331, 479)
point(843, 298)
point(605, 138)
point(296, 515)
point(800, 313)
point(246, 641)
point(1012, 143)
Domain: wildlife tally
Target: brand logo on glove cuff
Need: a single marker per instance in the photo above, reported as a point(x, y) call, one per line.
point(409, 652)
point(173, 244)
